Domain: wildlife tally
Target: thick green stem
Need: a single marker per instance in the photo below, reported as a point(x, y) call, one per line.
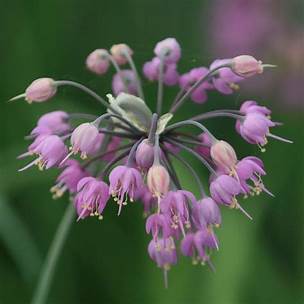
point(49, 266)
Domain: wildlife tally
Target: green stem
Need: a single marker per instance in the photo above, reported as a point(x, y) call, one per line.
point(49, 266)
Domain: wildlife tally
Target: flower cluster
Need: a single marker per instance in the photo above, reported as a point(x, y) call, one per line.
point(128, 151)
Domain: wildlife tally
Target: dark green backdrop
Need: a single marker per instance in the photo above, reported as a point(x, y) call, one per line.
point(106, 262)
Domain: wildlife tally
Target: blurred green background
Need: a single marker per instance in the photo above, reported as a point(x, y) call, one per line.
point(106, 262)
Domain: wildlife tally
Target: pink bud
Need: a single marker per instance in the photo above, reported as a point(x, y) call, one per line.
point(40, 90)
point(119, 51)
point(246, 66)
point(98, 61)
point(145, 154)
point(158, 180)
point(223, 155)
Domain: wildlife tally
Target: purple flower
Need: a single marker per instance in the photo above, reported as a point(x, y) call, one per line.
point(40, 90)
point(52, 123)
point(69, 178)
point(224, 189)
point(124, 182)
point(85, 139)
point(51, 151)
point(224, 80)
point(91, 198)
point(158, 225)
point(186, 80)
point(151, 71)
point(147, 199)
point(206, 213)
point(175, 205)
point(145, 154)
point(251, 169)
point(98, 61)
point(163, 252)
point(124, 81)
point(196, 244)
point(204, 150)
point(251, 106)
point(254, 128)
point(169, 49)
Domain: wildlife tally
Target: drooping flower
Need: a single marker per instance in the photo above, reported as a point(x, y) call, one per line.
point(246, 66)
point(84, 139)
point(69, 178)
point(125, 182)
point(158, 180)
point(119, 52)
point(196, 244)
point(251, 106)
point(158, 225)
point(52, 123)
point(176, 206)
point(50, 149)
point(224, 190)
point(91, 198)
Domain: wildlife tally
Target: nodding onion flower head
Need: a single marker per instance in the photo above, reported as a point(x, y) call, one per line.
point(40, 90)
point(98, 61)
point(120, 52)
point(56, 122)
point(130, 151)
point(92, 197)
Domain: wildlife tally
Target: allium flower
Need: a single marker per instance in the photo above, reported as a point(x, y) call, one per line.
point(124, 182)
point(69, 178)
point(40, 90)
point(91, 198)
point(186, 80)
point(98, 61)
point(124, 81)
point(151, 70)
point(52, 123)
point(168, 48)
point(84, 139)
point(50, 150)
point(225, 81)
point(131, 148)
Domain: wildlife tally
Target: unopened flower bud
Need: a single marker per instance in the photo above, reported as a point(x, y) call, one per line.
point(145, 154)
point(246, 66)
point(42, 89)
point(223, 155)
point(119, 52)
point(169, 49)
point(158, 180)
point(98, 61)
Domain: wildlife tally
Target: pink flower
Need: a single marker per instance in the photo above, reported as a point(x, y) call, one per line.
point(168, 48)
point(91, 198)
point(98, 61)
point(40, 90)
point(119, 52)
point(125, 81)
point(246, 66)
